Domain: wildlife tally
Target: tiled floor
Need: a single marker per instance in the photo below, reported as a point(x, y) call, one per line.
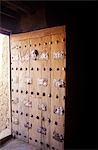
point(15, 144)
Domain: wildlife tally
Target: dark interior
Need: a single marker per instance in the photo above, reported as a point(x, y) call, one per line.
point(80, 20)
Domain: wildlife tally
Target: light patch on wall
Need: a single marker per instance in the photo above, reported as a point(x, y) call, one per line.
point(5, 115)
point(1, 46)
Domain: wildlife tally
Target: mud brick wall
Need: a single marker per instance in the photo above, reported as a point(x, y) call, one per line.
point(5, 118)
point(38, 69)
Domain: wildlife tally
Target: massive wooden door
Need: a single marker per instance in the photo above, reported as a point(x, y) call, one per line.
point(38, 87)
point(5, 109)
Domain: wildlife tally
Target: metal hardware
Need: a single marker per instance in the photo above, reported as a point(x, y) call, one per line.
point(26, 57)
point(59, 110)
point(34, 54)
point(14, 57)
point(59, 83)
point(43, 55)
point(29, 81)
point(43, 82)
point(27, 125)
point(42, 130)
point(15, 101)
point(28, 103)
point(58, 137)
point(42, 107)
point(49, 120)
point(15, 121)
point(58, 55)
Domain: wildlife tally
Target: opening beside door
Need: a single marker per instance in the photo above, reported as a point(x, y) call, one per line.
point(5, 108)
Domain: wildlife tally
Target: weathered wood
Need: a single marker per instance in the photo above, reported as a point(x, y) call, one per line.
point(44, 95)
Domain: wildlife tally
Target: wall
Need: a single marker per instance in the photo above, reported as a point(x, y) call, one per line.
point(5, 112)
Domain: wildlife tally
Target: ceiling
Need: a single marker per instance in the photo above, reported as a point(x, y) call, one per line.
point(14, 9)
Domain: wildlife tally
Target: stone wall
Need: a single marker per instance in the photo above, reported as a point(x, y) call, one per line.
point(4, 87)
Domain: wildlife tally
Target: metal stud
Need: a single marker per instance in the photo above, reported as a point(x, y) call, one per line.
point(43, 94)
point(49, 95)
point(35, 140)
point(16, 90)
point(21, 113)
point(57, 41)
point(37, 69)
point(64, 97)
point(16, 132)
point(56, 123)
point(31, 116)
point(47, 145)
point(63, 39)
point(37, 117)
point(44, 69)
point(21, 91)
point(49, 120)
point(17, 111)
point(41, 143)
point(26, 92)
point(31, 93)
point(37, 93)
point(57, 96)
point(43, 119)
point(50, 69)
point(26, 115)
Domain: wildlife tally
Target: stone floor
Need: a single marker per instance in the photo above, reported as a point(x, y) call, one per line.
point(15, 144)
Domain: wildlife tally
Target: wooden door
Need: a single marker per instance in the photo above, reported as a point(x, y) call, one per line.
point(41, 87)
point(5, 108)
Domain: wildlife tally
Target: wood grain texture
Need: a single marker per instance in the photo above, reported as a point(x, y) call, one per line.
point(51, 40)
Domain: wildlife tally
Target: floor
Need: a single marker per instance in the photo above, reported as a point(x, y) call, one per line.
point(15, 144)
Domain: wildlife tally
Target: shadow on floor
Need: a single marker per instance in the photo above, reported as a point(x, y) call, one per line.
point(15, 144)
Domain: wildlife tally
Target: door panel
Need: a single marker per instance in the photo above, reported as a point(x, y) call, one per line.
point(58, 93)
point(42, 80)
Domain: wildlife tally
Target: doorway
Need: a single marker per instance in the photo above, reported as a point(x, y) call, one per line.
point(5, 107)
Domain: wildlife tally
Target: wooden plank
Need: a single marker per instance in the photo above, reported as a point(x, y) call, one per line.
point(46, 100)
point(15, 88)
point(58, 94)
point(36, 95)
point(38, 33)
point(23, 89)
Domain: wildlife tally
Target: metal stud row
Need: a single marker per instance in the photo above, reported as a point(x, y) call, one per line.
point(45, 43)
point(37, 117)
point(37, 69)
